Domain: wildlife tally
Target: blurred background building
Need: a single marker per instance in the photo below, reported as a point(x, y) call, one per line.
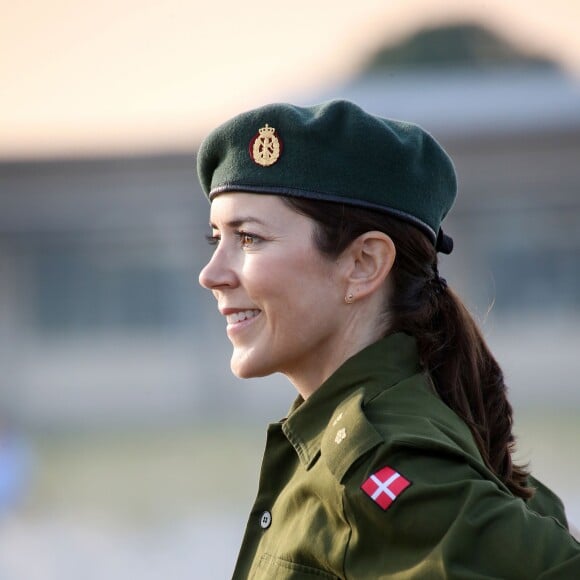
point(115, 362)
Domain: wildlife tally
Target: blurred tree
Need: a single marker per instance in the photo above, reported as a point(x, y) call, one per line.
point(455, 45)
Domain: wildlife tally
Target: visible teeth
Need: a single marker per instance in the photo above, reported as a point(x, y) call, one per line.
point(243, 315)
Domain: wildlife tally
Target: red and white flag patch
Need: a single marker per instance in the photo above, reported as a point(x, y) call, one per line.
point(385, 486)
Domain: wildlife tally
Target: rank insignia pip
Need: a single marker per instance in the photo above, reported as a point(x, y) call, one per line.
point(385, 486)
point(340, 436)
point(266, 146)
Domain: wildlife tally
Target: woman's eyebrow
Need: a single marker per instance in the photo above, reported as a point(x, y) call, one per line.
point(238, 222)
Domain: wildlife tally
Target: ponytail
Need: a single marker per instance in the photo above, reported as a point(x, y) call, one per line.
point(451, 347)
point(464, 372)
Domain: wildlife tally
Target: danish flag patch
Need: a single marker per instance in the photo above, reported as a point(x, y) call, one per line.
point(385, 486)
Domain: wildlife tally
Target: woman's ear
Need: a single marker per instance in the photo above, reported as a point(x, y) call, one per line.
point(370, 258)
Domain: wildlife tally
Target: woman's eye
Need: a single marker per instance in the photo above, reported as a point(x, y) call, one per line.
point(247, 240)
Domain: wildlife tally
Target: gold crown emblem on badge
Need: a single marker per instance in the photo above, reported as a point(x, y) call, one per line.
point(265, 147)
point(267, 131)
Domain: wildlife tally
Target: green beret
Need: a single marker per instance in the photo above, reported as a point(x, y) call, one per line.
point(334, 152)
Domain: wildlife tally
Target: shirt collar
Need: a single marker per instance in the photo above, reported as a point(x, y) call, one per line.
point(375, 368)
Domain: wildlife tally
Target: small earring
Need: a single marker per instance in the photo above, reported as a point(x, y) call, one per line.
point(348, 298)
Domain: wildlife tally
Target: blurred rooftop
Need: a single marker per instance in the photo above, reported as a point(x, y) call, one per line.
point(465, 102)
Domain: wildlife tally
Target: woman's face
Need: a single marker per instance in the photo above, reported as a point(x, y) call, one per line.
point(282, 299)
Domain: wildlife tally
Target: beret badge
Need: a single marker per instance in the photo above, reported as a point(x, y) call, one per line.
point(265, 146)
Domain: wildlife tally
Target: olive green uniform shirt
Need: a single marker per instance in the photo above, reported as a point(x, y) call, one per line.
point(377, 422)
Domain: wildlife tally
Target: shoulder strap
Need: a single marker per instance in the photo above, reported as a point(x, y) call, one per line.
point(348, 436)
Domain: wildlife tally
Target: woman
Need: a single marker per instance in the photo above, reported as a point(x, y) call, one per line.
point(395, 461)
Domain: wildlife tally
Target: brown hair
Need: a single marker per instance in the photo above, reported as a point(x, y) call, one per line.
point(451, 347)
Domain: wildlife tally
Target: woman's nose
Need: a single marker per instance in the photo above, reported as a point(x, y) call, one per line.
point(218, 272)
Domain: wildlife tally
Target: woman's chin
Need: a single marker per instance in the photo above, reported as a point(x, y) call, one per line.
point(245, 367)
point(241, 373)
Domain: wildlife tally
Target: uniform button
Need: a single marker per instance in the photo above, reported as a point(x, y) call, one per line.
point(266, 520)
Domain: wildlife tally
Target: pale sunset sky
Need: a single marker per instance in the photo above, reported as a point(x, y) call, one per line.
point(130, 76)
